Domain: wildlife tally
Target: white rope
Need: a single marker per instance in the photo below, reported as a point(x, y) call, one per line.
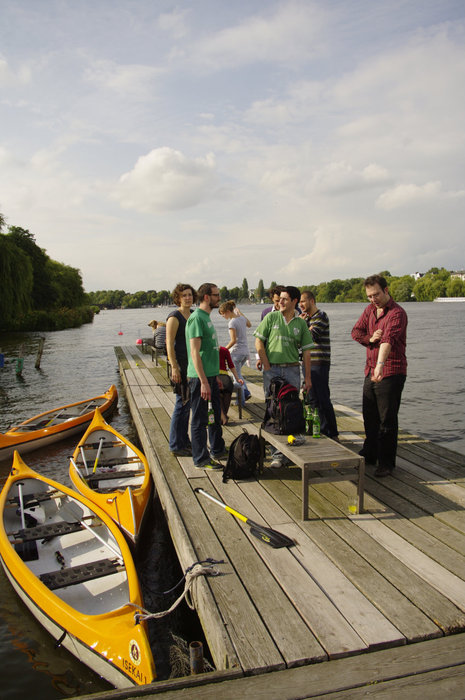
point(196, 570)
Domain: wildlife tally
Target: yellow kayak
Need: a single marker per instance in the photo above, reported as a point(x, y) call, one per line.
point(112, 472)
point(72, 567)
point(55, 424)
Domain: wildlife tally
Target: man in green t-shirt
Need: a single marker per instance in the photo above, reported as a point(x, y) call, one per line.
point(284, 334)
point(202, 372)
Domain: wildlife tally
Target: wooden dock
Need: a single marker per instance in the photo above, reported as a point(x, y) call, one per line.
point(352, 592)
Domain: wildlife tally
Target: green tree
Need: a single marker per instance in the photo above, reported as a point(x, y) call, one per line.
point(455, 288)
point(66, 283)
point(42, 292)
point(16, 281)
point(401, 288)
point(245, 289)
point(260, 291)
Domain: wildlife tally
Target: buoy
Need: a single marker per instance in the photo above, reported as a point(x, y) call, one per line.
point(139, 341)
point(120, 332)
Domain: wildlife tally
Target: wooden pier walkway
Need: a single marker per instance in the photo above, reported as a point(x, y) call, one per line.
point(388, 577)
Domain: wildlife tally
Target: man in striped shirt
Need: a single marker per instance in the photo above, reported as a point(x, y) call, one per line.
point(382, 329)
point(319, 395)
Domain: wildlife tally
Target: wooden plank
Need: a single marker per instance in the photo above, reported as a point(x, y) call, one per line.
point(444, 581)
point(295, 641)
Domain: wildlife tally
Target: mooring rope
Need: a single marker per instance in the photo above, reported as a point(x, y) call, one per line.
point(197, 569)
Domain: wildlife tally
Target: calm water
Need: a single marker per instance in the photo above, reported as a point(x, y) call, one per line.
point(79, 363)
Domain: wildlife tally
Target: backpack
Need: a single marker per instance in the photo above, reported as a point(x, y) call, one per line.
point(283, 409)
point(243, 457)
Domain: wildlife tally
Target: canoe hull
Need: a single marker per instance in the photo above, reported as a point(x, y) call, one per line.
point(126, 485)
point(94, 618)
point(24, 439)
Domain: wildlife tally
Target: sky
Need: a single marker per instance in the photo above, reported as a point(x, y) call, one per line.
point(148, 142)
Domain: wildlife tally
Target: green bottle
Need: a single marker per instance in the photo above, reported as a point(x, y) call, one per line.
point(308, 419)
point(316, 424)
point(211, 414)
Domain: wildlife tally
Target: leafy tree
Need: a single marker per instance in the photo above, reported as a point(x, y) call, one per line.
point(455, 288)
point(260, 291)
point(245, 289)
point(401, 288)
point(42, 292)
point(66, 283)
point(16, 280)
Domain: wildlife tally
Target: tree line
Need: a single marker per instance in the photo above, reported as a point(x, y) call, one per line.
point(36, 292)
point(437, 282)
point(41, 294)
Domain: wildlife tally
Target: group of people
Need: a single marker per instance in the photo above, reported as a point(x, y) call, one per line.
point(292, 341)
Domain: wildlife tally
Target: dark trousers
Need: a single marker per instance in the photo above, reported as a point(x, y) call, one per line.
point(381, 402)
point(319, 397)
point(199, 422)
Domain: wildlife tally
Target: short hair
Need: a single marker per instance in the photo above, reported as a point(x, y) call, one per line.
point(205, 288)
point(227, 306)
point(294, 292)
point(276, 290)
point(177, 291)
point(310, 295)
point(376, 279)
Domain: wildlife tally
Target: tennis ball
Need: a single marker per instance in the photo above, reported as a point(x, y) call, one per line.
point(291, 440)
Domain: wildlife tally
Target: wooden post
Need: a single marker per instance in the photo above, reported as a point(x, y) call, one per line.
point(39, 352)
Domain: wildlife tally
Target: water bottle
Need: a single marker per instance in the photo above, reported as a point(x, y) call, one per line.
point(316, 424)
point(211, 415)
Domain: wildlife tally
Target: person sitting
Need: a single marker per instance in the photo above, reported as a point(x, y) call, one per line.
point(226, 383)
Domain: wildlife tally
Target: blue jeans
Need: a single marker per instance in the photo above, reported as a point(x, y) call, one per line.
point(292, 376)
point(239, 361)
point(179, 435)
point(199, 422)
point(319, 397)
point(381, 402)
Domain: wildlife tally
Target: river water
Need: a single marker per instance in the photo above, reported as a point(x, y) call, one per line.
point(79, 363)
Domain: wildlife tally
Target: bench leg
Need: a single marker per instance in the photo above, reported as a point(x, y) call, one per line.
point(361, 484)
point(239, 401)
point(304, 494)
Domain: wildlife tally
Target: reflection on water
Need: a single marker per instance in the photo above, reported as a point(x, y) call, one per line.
point(80, 363)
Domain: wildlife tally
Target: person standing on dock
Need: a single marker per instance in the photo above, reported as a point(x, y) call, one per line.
point(319, 395)
point(183, 296)
point(278, 339)
point(202, 372)
point(382, 329)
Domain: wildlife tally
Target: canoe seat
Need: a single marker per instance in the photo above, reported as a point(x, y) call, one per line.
point(80, 574)
point(45, 532)
point(116, 474)
point(33, 499)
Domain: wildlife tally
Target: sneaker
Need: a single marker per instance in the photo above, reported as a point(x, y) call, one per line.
point(212, 464)
point(219, 455)
point(247, 395)
point(383, 471)
point(185, 452)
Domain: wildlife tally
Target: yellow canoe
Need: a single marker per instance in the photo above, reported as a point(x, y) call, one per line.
point(73, 568)
point(112, 472)
point(55, 424)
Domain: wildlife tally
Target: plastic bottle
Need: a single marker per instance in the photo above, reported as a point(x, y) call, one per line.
point(211, 415)
point(316, 424)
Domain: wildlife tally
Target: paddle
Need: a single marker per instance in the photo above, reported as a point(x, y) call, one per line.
point(101, 441)
point(73, 511)
point(266, 534)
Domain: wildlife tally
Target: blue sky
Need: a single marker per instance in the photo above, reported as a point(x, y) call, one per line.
point(148, 142)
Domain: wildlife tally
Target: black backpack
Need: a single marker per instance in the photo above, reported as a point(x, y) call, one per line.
point(243, 458)
point(283, 409)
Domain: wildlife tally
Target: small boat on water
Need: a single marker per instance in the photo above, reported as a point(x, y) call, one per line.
point(112, 472)
point(72, 567)
point(56, 424)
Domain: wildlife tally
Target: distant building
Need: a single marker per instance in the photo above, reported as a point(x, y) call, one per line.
point(460, 275)
point(417, 275)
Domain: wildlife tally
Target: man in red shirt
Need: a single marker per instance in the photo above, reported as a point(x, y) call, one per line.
point(382, 329)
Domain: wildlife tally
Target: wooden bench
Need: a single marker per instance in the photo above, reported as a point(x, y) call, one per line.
point(334, 462)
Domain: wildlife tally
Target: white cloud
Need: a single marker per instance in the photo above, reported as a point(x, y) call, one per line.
point(410, 194)
point(165, 179)
point(287, 33)
point(131, 80)
point(174, 23)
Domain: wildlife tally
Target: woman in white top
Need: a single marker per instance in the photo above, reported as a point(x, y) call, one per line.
point(238, 345)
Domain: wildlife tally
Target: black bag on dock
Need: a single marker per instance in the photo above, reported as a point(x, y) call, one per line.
point(243, 458)
point(283, 409)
